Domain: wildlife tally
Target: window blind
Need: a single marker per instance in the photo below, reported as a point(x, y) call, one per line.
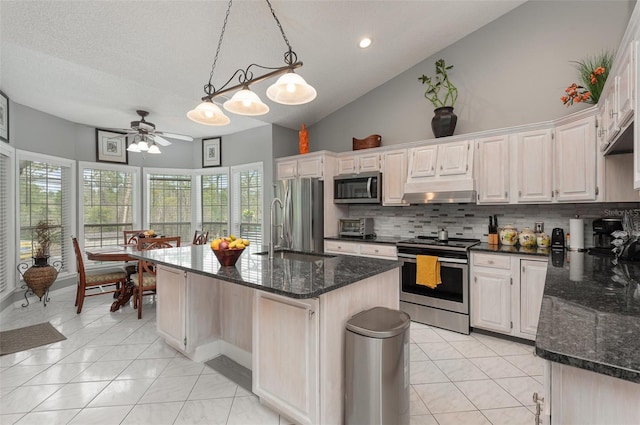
point(214, 199)
point(7, 251)
point(169, 204)
point(247, 202)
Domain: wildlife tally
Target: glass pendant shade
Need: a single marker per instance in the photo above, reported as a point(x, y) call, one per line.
point(291, 89)
point(143, 146)
point(246, 102)
point(208, 113)
point(133, 147)
point(154, 149)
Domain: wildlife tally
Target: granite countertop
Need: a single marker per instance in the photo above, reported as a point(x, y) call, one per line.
point(513, 250)
point(294, 278)
point(590, 315)
point(390, 240)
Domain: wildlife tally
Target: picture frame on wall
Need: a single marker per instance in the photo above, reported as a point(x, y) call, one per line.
point(211, 154)
point(111, 146)
point(4, 117)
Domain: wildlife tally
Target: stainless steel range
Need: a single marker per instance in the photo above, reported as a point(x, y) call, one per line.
point(447, 305)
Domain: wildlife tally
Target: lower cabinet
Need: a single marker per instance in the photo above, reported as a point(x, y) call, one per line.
point(285, 335)
point(506, 293)
point(362, 249)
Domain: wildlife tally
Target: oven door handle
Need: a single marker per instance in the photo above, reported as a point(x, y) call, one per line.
point(404, 257)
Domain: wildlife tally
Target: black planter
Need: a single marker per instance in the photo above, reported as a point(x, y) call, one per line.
point(444, 121)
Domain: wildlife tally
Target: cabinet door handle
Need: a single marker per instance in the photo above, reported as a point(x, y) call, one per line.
point(311, 313)
point(506, 194)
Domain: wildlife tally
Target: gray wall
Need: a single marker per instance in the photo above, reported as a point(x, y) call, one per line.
point(510, 72)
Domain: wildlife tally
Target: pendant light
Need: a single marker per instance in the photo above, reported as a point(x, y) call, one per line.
point(154, 149)
point(290, 89)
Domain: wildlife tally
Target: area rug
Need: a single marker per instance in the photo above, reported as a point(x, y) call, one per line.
point(28, 337)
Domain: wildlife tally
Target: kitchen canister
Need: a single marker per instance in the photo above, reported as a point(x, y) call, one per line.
point(508, 235)
point(543, 240)
point(527, 238)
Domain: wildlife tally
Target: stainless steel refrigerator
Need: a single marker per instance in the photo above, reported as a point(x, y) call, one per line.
point(300, 224)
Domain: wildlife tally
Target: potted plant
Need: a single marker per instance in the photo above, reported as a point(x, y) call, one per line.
point(40, 276)
point(443, 95)
point(593, 73)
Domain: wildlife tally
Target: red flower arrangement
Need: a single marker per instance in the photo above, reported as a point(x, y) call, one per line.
point(593, 73)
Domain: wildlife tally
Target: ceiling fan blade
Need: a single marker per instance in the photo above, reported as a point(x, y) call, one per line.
point(161, 140)
point(121, 130)
point(176, 136)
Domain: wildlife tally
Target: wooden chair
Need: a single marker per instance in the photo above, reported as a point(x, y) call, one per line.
point(200, 237)
point(88, 281)
point(144, 281)
point(131, 238)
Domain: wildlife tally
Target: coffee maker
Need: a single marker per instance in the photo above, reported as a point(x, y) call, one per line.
point(602, 229)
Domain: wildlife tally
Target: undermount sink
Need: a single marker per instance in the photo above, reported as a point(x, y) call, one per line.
point(296, 255)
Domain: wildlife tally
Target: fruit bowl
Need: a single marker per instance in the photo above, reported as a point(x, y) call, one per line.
point(228, 257)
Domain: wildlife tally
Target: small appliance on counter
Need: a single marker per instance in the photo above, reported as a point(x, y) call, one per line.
point(557, 238)
point(602, 229)
point(356, 227)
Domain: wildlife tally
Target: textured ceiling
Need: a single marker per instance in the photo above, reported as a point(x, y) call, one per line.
point(96, 62)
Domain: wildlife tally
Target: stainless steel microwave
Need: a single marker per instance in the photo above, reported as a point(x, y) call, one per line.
point(365, 188)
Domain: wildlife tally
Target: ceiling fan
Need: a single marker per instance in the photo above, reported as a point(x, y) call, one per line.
point(144, 136)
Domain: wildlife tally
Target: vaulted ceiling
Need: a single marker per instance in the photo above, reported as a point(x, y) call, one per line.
point(96, 62)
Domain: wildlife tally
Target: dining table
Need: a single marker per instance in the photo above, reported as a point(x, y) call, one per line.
point(115, 253)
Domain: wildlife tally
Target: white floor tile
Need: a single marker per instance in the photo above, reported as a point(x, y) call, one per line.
point(56, 417)
point(426, 373)
point(144, 368)
point(175, 388)
point(24, 399)
point(440, 351)
point(58, 374)
point(486, 394)
point(510, 416)
point(416, 405)
point(18, 375)
point(422, 420)
point(210, 412)
point(521, 388)
point(213, 386)
point(528, 363)
point(503, 347)
point(101, 415)
point(159, 350)
point(47, 357)
point(102, 371)
point(472, 348)
point(425, 335)
point(86, 355)
point(14, 358)
point(126, 391)
point(460, 370)
point(11, 419)
point(443, 398)
point(416, 354)
point(497, 367)
point(125, 352)
point(249, 411)
point(466, 418)
point(153, 413)
point(182, 366)
point(73, 396)
point(452, 336)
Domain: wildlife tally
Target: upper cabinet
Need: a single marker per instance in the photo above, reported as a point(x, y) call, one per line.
point(358, 163)
point(441, 160)
point(394, 174)
point(492, 163)
point(534, 166)
point(308, 165)
point(575, 161)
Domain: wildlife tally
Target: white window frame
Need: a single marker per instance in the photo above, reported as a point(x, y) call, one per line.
point(234, 202)
point(135, 184)
point(8, 245)
point(69, 263)
point(198, 195)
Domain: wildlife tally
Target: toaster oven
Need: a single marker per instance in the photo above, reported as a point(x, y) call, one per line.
point(356, 227)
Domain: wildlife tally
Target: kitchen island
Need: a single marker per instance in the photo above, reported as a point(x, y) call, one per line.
point(589, 333)
point(283, 318)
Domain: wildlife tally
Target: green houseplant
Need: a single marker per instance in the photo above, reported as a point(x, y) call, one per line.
point(43, 241)
point(593, 73)
point(443, 95)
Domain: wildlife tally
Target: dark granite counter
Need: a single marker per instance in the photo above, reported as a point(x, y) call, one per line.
point(513, 250)
point(294, 278)
point(590, 315)
point(378, 239)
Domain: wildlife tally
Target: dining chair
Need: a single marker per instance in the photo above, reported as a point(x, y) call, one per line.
point(144, 281)
point(200, 237)
point(131, 238)
point(95, 280)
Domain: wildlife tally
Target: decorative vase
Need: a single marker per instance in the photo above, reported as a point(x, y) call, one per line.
point(508, 235)
point(40, 276)
point(444, 121)
point(304, 140)
point(527, 238)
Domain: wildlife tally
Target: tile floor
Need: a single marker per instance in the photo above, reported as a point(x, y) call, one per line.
point(114, 369)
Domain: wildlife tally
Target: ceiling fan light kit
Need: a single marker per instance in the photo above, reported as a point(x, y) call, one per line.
point(145, 138)
point(290, 89)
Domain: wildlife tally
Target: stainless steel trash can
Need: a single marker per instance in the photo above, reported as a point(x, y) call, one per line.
point(377, 367)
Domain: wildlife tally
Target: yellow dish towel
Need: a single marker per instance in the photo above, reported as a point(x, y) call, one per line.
point(428, 271)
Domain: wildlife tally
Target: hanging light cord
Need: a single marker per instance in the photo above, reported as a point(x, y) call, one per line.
point(245, 76)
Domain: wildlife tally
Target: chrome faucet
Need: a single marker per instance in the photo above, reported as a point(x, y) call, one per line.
point(271, 220)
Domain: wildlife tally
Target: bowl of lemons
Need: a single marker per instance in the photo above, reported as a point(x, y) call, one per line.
point(228, 249)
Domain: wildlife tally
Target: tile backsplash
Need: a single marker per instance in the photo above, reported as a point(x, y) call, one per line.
point(471, 221)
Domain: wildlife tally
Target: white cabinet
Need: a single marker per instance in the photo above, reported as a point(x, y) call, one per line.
point(285, 343)
point(636, 113)
point(625, 86)
point(363, 249)
point(532, 277)
point(441, 160)
point(171, 292)
point(308, 165)
point(575, 161)
point(394, 175)
point(491, 294)
point(506, 293)
point(492, 165)
point(359, 163)
point(534, 163)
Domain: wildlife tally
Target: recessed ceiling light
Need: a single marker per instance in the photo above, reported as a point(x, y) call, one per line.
point(365, 42)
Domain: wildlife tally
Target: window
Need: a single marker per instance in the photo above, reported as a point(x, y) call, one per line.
point(169, 202)
point(7, 250)
point(214, 195)
point(247, 202)
point(110, 203)
point(46, 193)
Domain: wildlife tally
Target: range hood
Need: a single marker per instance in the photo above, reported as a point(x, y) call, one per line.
point(440, 191)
